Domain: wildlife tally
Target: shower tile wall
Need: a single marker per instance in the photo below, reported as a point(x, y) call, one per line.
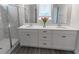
point(4, 21)
point(4, 42)
point(1, 27)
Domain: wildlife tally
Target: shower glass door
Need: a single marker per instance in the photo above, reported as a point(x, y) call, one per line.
point(13, 22)
point(4, 34)
point(8, 27)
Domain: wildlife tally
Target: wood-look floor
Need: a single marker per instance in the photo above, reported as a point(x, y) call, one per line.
point(33, 50)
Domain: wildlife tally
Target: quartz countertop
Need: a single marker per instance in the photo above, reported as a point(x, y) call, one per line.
point(47, 27)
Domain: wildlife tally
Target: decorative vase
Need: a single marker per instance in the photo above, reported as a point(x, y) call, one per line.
point(44, 25)
point(44, 19)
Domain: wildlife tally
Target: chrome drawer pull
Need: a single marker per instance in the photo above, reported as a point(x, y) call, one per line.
point(28, 34)
point(44, 43)
point(44, 37)
point(0, 48)
point(44, 31)
point(63, 36)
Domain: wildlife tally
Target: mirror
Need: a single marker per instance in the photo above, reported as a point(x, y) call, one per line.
point(60, 13)
point(30, 13)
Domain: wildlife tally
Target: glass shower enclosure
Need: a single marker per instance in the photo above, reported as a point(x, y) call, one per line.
point(8, 28)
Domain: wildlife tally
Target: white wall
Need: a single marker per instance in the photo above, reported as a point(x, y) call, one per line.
point(75, 16)
point(75, 23)
point(21, 15)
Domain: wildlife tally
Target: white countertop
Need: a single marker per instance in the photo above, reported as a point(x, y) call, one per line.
point(47, 27)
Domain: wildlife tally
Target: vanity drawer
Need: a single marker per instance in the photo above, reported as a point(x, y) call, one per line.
point(45, 44)
point(70, 33)
point(64, 35)
point(44, 32)
point(45, 37)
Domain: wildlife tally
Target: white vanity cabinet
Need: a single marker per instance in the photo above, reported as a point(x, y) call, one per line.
point(48, 38)
point(28, 37)
point(64, 40)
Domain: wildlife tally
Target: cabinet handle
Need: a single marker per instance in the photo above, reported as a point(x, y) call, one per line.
point(28, 34)
point(44, 31)
point(0, 48)
point(44, 43)
point(44, 37)
point(63, 36)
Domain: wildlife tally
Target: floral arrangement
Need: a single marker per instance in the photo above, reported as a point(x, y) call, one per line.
point(44, 19)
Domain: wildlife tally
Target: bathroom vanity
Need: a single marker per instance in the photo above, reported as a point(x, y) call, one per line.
point(52, 37)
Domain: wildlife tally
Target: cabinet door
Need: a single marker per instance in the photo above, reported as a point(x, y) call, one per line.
point(34, 38)
point(64, 40)
point(25, 37)
point(28, 37)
